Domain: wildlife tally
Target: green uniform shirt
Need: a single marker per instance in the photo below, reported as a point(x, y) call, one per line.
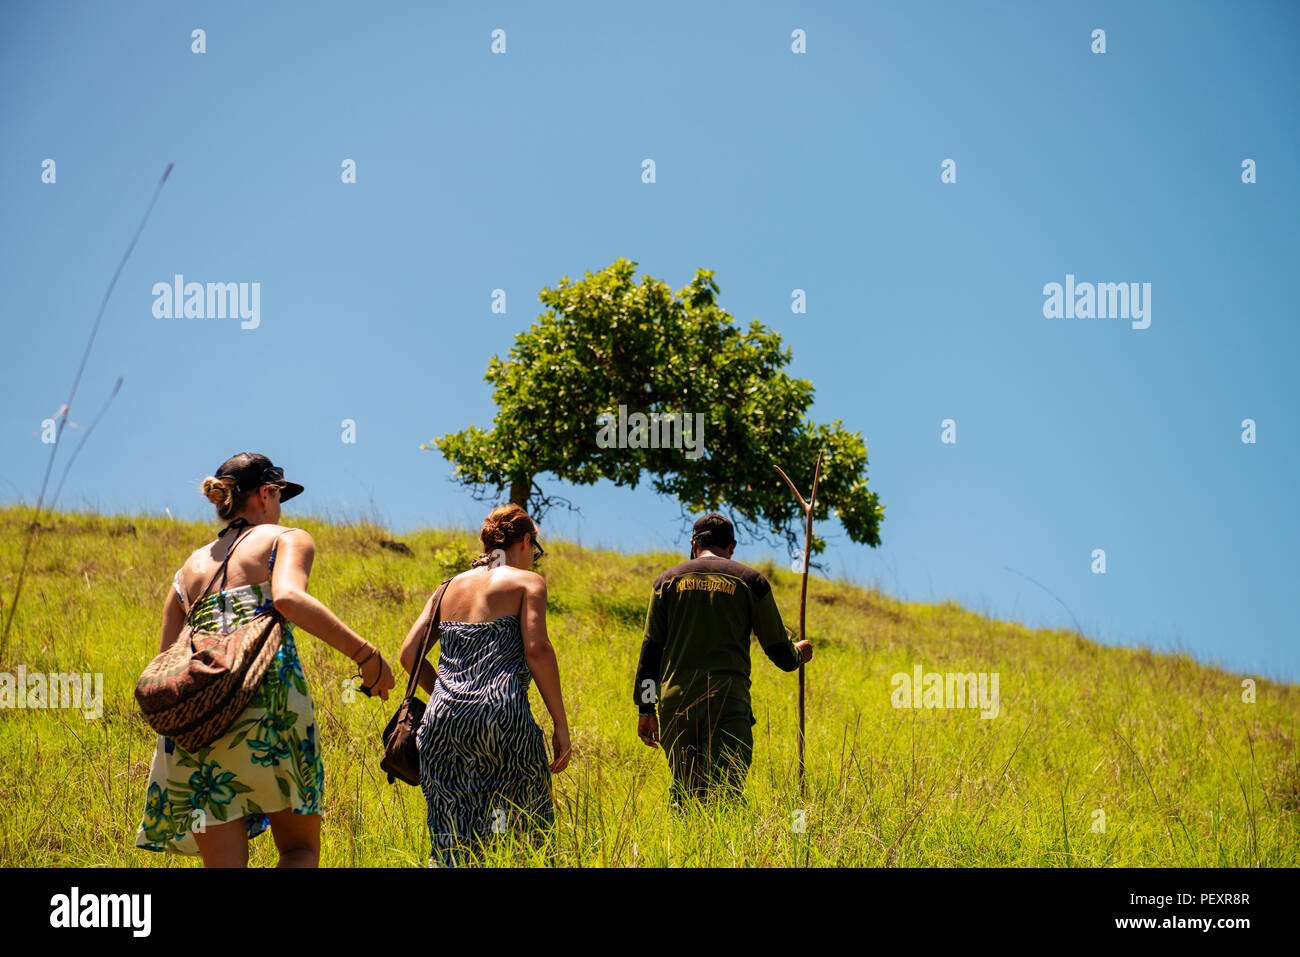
point(697, 632)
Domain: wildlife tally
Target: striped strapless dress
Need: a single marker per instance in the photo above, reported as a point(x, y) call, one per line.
point(483, 763)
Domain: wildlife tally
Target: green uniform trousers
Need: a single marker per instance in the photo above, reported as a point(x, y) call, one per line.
point(709, 743)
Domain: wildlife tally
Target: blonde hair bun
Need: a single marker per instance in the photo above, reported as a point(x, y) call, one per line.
point(218, 490)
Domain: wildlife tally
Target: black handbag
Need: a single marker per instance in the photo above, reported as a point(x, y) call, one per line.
point(401, 752)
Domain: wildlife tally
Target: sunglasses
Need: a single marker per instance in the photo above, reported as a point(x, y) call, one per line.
point(538, 551)
point(270, 476)
point(274, 477)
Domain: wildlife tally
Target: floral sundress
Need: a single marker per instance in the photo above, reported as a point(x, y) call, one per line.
point(268, 761)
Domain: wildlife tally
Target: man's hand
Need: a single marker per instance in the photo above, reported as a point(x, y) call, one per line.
point(805, 650)
point(647, 729)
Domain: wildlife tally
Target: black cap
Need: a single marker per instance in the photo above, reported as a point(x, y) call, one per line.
point(252, 470)
point(713, 531)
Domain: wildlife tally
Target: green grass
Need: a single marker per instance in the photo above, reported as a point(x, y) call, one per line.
point(1185, 772)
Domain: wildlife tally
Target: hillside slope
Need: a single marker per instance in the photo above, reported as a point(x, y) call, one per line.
point(1096, 756)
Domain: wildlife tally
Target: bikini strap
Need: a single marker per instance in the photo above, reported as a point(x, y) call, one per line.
point(270, 565)
point(225, 562)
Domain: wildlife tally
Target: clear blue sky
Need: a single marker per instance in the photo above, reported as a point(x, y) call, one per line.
point(778, 171)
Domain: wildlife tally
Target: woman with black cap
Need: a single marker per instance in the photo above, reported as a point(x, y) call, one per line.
point(266, 770)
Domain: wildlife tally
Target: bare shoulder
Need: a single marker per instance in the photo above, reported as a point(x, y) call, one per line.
point(194, 561)
point(516, 580)
point(258, 539)
point(301, 536)
point(262, 538)
point(529, 579)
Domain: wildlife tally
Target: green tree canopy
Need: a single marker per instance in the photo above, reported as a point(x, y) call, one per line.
point(606, 342)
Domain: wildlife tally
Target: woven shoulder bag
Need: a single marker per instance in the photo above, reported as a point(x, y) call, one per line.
point(194, 691)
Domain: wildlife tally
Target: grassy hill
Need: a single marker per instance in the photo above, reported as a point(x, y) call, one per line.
point(1184, 771)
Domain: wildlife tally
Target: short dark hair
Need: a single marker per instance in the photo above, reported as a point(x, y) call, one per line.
point(713, 530)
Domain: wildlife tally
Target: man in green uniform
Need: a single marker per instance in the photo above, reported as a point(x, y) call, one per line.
point(695, 662)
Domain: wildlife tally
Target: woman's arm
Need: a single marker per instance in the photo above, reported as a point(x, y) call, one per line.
point(293, 561)
point(173, 620)
point(411, 648)
point(541, 662)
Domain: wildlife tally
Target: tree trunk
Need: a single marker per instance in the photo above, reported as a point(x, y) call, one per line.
point(520, 488)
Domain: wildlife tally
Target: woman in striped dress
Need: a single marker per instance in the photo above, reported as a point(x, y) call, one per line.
point(483, 762)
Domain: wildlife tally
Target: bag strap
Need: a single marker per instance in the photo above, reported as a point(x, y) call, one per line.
point(424, 642)
point(221, 569)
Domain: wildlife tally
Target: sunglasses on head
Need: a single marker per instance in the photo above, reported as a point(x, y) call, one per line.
point(270, 476)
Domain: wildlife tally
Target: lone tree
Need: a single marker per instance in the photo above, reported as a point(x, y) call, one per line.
point(606, 342)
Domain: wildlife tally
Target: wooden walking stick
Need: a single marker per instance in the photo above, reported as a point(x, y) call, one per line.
point(803, 586)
